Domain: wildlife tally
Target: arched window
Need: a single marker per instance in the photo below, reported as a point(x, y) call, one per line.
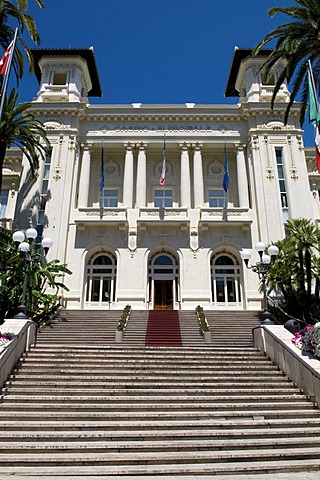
point(225, 280)
point(101, 279)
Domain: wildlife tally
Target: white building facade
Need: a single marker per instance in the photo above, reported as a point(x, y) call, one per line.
point(133, 241)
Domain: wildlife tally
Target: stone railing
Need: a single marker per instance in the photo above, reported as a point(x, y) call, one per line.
point(301, 367)
point(10, 353)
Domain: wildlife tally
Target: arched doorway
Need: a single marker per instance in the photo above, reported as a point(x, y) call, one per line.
point(225, 280)
point(163, 281)
point(101, 279)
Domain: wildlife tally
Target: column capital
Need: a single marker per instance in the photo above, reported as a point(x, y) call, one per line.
point(239, 147)
point(87, 146)
point(184, 146)
point(197, 145)
point(128, 145)
point(142, 146)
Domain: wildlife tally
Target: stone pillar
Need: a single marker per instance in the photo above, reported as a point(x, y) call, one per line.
point(128, 176)
point(185, 187)
point(198, 193)
point(242, 177)
point(84, 184)
point(141, 190)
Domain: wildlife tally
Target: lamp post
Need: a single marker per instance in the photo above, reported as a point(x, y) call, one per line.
point(262, 269)
point(23, 242)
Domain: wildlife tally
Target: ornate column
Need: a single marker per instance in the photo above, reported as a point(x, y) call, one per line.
point(185, 187)
point(141, 186)
point(242, 177)
point(198, 193)
point(128, 176)
point(84, 184)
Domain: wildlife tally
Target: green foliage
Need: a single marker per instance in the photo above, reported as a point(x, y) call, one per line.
point(295, 273)
point(20, 128)
point(296, 43)
point(203, 323)
point(40, 276)
point(15, 13)
point(124, 318)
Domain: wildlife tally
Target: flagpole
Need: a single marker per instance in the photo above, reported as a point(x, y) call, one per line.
point(6, 80)
point(225, 184)
point(163, 171)
point(102, 176)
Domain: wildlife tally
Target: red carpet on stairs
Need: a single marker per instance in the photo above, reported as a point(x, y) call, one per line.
point(163, 329)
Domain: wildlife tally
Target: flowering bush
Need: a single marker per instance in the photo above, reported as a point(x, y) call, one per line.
point(5, 337)
point(308, 339)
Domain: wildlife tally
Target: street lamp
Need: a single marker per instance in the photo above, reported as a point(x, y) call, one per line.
point(23, 242)
point(262, 269)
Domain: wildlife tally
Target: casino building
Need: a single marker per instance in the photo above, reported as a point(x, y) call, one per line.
point(137, 242)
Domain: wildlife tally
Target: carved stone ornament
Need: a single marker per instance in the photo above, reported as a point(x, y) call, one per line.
point(269, 173)
point(57, 173)
point(52, 125)
point(293, 172)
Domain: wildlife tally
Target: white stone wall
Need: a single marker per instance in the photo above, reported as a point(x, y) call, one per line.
point(193, 232)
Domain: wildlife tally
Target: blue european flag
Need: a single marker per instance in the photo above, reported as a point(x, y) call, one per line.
point(225, 181)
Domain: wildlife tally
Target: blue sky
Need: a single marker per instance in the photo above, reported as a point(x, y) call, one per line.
point(156, 51)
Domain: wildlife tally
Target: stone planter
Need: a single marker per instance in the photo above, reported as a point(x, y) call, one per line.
point(207, 337)
point(119, 336)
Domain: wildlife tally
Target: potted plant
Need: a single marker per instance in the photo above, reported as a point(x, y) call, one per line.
point(122, 323)
point(203, 325)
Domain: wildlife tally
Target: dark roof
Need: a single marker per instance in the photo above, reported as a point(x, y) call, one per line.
point(85, 53)
point(238, 55)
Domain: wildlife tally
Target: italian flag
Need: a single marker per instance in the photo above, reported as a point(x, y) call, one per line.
point(314, 113)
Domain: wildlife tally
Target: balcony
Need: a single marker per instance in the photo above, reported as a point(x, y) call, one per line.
point(86, 217)
point(232, 216)
point(167, 215)
point(55, 93)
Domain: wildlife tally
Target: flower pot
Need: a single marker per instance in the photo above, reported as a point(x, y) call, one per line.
point(119, 336)
point(207, 337)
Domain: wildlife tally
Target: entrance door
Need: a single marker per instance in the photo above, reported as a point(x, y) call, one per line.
point(163, 294)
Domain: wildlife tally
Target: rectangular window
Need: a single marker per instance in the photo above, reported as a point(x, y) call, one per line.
point(110, 197)
point(4, 202)
point(282, 181)
point(216, 197)
point(267, 80)
point(163, 198)
point(46, 173)
point(59, 78)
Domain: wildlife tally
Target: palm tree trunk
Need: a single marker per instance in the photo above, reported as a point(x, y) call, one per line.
point(3, 149)
point(308, 272)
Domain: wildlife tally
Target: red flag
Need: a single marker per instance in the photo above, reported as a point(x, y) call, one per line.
point(5, 60)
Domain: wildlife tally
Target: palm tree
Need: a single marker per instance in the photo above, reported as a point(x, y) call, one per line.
point(19, 128)
point(296, 43)
point(17, 14)
point(305, 238)
point(296, 270)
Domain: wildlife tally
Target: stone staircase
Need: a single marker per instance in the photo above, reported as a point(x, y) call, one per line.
point(163, 329)
point(228, 327)
point(86, 410)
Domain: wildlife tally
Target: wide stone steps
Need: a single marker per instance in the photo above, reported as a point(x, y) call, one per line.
point(160, 445)
point(174, 414)
point(86, 410)
point(207, 471)
point(160, 458)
